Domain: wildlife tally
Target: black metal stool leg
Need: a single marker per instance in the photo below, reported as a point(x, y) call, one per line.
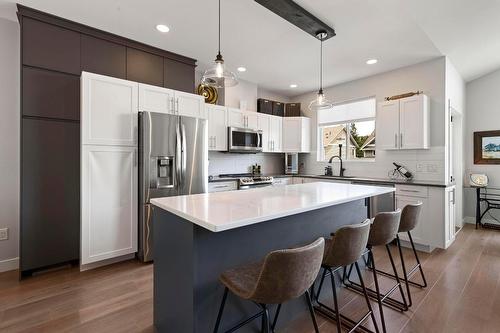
point(405, 275)
point(377, 288)
point(367, 299)
point(336, 303)
point(311, 311)
point(266, 328)
point(316, 297)
point(418, 260)
point(398, 281)
point(221, 309)
point(273, 326)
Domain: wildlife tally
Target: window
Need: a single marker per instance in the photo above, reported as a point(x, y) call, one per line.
point(351, 125)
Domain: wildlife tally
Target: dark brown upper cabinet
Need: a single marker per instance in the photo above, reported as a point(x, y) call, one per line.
point(264, 106)
point(278, 109)
point(103, 57)
point(178, 76)
point(50, 94)
point(50, 193)
point(51, 47)
point(144, 67)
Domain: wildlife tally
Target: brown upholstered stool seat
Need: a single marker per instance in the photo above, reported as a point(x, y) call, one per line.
point(242, 281)
point(282, 276)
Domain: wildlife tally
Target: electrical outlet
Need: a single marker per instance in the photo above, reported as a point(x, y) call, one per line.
point(4, 234)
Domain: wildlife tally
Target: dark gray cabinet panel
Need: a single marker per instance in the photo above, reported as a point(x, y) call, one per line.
point(178, 76)
point(144, 67)
point(50, 94)
point(50, 193)
point(103, 57)
point(51, 47)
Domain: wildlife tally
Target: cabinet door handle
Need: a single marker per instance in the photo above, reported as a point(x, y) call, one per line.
point(221, 186)
point(395, 140)
point(177, 104)
point(172, 106)
point(412, 191)
point(401, 143)
point(215, 142)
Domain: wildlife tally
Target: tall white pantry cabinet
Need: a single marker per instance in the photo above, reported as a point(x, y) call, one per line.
point(109, 173)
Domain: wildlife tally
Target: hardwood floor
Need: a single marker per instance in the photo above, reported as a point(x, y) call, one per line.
point(463, 295)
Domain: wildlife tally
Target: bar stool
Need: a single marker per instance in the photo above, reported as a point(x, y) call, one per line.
point(344, 249)
point(282, 276)
point(383, 231)
point(409, 220)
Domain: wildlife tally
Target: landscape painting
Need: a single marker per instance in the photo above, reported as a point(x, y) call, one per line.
point(487, 147)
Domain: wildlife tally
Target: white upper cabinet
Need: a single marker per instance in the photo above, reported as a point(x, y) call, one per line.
point(190, 105)
point(296, 135)
point(404, 123)
point(163, 100)
point(109, 202)
point(263, 125)
point(109, 110)
point(217, 127)
point(276, 133)
point(240, 119)
point(156, 99)
point(388, 125)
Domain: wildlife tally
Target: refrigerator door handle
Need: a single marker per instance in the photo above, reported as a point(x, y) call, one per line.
point(184, 153)
point(258, 140)
point(178, 154)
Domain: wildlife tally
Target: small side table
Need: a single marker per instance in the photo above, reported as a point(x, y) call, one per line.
point(491, 196)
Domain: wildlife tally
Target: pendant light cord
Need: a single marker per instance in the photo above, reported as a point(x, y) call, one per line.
point(219, 26)
point(321, 64)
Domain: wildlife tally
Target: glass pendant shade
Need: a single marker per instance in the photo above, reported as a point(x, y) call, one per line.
point(218, 76)
point(320, 103)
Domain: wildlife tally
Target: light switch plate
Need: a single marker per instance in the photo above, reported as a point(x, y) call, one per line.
point(4, 234)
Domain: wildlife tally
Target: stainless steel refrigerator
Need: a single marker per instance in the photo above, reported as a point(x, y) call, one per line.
point(173, 160)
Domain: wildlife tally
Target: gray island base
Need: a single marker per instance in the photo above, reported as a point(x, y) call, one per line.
point(188, 260)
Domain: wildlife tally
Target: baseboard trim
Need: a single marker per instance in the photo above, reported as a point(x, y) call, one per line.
point(106, 262)
point(9, 264)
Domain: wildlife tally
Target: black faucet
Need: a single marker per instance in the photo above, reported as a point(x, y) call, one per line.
point(339, 156)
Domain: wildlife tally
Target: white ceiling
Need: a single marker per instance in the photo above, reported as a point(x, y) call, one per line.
point(276, 53)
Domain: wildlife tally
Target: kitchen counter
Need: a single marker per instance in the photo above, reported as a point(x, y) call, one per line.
point(197, 237)
point(382, 181)
point(222, 211)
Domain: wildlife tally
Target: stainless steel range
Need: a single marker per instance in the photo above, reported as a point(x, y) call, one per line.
point(248, 181)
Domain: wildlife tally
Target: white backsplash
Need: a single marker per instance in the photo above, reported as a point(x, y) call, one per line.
point(224, 163)
point(425, 165)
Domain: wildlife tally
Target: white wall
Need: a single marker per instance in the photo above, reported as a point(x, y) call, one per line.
point(483, 114)
point(429, 77)
point(224, 163)
point(9, 142)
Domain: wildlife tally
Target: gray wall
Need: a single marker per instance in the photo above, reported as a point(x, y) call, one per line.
point(429, 77)
point(9, 142)
point(483, 114)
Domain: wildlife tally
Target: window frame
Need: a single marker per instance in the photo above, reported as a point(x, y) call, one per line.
point(347, 123)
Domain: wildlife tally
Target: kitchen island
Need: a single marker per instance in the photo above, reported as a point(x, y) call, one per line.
point(197, 237)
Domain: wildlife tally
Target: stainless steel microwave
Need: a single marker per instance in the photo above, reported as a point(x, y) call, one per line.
point(244, 140)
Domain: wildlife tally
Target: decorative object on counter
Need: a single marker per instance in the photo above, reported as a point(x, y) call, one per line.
point(409, 94)
point(256, 169)
point(328, 169)
point(218, 76)
point(320, 102)
point(400, 172)
point(209, 93)
point(291, 163)
point(487, 147)
point(478, 180)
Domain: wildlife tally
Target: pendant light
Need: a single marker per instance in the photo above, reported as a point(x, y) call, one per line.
point(218, 76)
point(320, 102)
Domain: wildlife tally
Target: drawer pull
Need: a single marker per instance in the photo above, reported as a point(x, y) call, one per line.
point(413, 191)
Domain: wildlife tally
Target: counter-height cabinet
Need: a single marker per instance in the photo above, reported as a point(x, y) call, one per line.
point(296, 135)
point(403, 123)
point(217, 127)
point(271, 127)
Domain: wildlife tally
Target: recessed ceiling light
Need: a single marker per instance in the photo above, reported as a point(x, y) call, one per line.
point(242, 69)
point(293, 86)
point(371, 61)
point(162, 28)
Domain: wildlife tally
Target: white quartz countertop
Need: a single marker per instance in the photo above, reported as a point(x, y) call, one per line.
point(221, 211)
